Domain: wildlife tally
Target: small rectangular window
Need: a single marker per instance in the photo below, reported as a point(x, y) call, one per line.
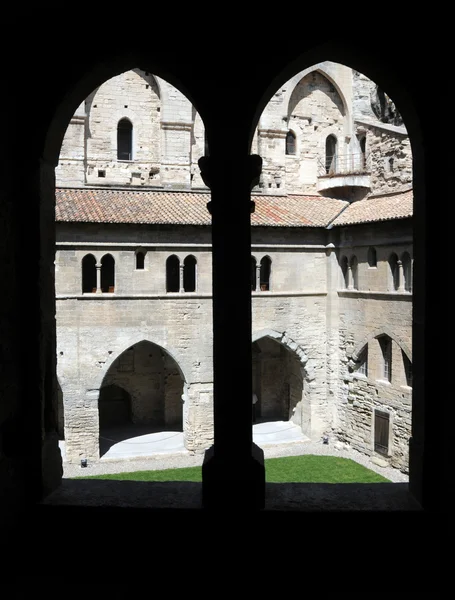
point(101, 173)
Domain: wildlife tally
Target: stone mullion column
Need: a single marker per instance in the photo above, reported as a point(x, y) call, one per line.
point(258, 277)
point(181, 270)
point(98, 278)
point(233, 473)
point(400, 276)
point(350, 278)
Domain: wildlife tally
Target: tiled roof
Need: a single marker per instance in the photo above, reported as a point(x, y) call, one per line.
point(295, 211)
point(85, 205)
point(89, 205)
point(377, 208)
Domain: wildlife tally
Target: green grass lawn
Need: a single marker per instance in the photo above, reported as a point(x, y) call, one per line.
point(295, 469)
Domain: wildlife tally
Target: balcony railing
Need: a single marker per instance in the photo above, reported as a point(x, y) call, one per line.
point(343, 164)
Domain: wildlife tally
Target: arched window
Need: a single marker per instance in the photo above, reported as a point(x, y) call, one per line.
point(363, 362)
point(372, 258)
point(172, 274)
point(345, 271)
point(354, 272)
point(140, 260)
point(107, 274)
point(407, 369)
point(407, 271)
point(125, 140)
point(89, 274)
point(394, 272)
point(189, 274)
point(330, 154)
point(266, 265)
point(253, 274)
point(290, 143)
point(386, 349)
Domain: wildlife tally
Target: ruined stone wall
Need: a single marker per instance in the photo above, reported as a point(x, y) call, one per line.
point(93, 329)
point(363, 315)
point(315, 112)
point(91, 334)
point(302, 320)
point(389, 158)
point(135, 96)
point(167, 136)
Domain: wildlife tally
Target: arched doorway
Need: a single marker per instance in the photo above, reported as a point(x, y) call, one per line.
point(141, 394)
point(277, 382)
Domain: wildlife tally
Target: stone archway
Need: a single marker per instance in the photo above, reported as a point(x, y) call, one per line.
point(141, 393)
point(279, 376)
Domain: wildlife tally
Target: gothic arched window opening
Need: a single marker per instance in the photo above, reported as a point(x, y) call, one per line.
point(266, 265)
point(172, 274)
point(290, 143)
point(125, 140)
point(330, 154)
point(363, 362)
point(386, 349)
point(89, 274)
point(189, 274)
point(108, 274)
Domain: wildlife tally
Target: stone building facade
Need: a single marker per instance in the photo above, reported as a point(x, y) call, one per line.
point(331, 265)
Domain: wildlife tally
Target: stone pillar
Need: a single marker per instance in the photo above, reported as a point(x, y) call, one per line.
point(181, 286)
point(98, 278)
point(258, 277)
point(233, 473)
point(400, 276)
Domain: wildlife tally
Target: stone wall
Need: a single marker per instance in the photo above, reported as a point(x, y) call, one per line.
point(363, 316)
point(389, 157)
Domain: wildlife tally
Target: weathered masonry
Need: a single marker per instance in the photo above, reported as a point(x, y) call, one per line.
point(331, 265)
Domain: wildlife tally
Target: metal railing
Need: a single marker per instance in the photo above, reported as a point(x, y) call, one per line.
point(343, 164)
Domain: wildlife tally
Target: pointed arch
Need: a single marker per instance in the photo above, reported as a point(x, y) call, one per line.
point(189, 273)
point(89, 274)
point(290, 143)
point(384, 330)
point(108, 274)
point(331, 144)
point(265, 273)
point(172, 273)
point(125, 139)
